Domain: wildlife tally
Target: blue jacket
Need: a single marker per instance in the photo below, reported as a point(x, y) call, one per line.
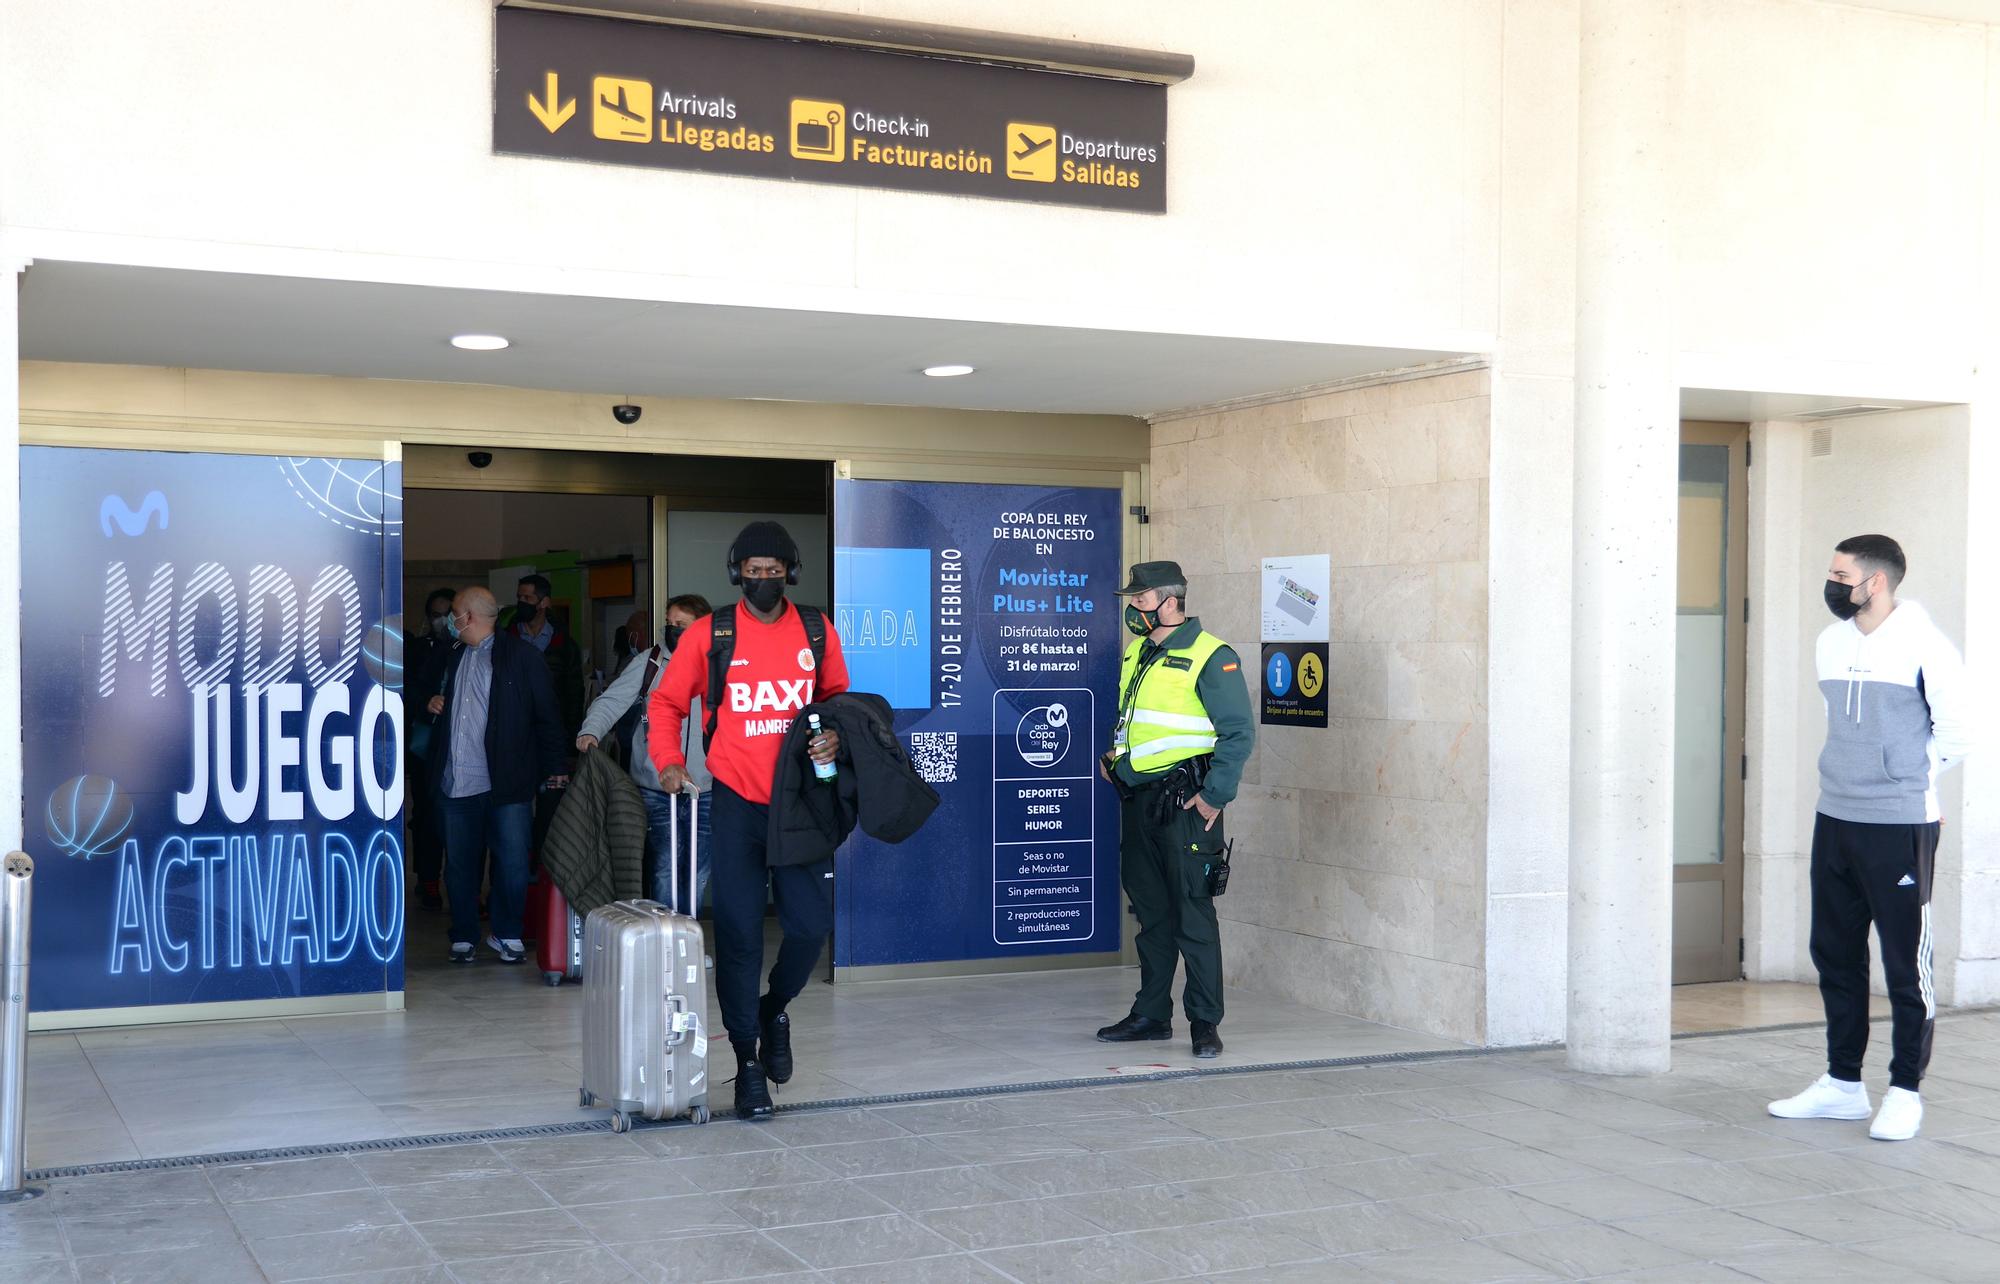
point(524, 730)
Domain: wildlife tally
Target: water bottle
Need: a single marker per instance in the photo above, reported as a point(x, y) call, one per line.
point(824, 770)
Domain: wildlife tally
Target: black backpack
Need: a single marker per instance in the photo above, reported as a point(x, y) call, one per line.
point(722, 649)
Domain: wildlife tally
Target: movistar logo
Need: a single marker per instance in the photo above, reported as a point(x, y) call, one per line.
point(115, 509)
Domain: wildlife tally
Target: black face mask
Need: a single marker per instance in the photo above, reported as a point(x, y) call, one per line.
point(670, 636)
point(1140, 623)
point(764, 595)
point(1839, 600)
point(524, 613)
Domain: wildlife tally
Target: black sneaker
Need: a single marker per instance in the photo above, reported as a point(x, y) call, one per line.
point(776, 1049)
point(1207, 1043)
point(510, 951)
point(461, 951)
point(753, 1092)
point(1136, 1029)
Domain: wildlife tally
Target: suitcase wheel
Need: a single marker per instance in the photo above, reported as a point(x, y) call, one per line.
point(584, 1100)
point(552, 978)
point(698, 1115)
point(620, 1121)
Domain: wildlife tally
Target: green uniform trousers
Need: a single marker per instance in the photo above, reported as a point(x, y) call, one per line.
point(1164, 870)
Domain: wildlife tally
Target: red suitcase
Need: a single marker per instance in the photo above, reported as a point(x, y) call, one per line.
point(558, 933)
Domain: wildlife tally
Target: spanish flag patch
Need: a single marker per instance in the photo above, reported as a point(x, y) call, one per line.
point(1230, 667)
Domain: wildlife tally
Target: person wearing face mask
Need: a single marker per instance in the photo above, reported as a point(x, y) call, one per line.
point(755, 666)
point(1898, 713)
point(423, 663)
point(534, 622)
point(630, 693)
point(1183, 736)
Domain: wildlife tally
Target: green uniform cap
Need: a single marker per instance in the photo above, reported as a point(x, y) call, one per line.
point(1152, 575)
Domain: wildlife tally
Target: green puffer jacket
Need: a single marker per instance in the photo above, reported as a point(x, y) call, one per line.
point(596, 845)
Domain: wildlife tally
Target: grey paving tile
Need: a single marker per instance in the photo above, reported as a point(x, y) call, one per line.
point(117, 1192)
point(544, 1154)
point(150, 1226)
point(1821, 1264)
point(1401, 1178)
point(210, 1264)
point(1729, 1185)
point(613, 1182)
point(1323, 1148)
point(962, 1268)
point(1199, 1160)
point(1427, 1137)
point(1582, 1251)
point(1231, 1123)
point(347, 1252)
point(1005, 1145)
point(1715, 1234)
point(1028, 1221)
point(1471, 1214)
point(647, 1221)
point(504, 1234)
point(865, 1241)
point(1463, 1263)
point(234, 1182)
point(879, 1158)
point(1608, 1198)
point(755, 1170)
point(1359, 1228)
point(1127, 1132)
point(933, 1117)
point(1725, 1142)
point(467, 1197)
point(1612, 1152)
point(30, 1238)
point(1110, 1260)
point(309, 1214)
point(1843, 1219)
point(54, 1271)
point(577, 1266)
point(1230, 1246)
point(429, 1163)
point(820, 1128)
point(1072, 1175)
point(722, 1137)
point(1945, 1255)
point(816, 1202)
point(702, 1258)
point(928, 1191)
point(1511, 1166)
point(1935, 1203)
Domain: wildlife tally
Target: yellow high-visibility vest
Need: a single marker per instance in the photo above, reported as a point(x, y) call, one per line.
point(1166, 722)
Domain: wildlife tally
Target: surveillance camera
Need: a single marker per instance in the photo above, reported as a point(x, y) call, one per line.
point(626, 413)
point(479, 458)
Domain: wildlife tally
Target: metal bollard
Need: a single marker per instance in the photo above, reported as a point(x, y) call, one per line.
point(17, 895)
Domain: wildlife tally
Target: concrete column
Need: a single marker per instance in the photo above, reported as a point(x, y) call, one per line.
point(1622, 613)
point(10, 549)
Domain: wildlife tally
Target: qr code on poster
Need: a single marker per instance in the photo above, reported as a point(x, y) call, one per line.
point(935, 754)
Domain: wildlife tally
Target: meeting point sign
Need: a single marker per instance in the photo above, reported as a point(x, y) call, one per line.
point(584, 88)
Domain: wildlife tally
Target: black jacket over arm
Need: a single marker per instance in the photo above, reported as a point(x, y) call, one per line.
point(877, 787)
point(524, 735)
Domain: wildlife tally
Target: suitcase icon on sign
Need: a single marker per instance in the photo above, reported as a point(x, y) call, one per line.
point(819, 129)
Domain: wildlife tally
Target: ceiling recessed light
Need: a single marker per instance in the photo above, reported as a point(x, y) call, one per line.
point(478, 342)
point(947, 372)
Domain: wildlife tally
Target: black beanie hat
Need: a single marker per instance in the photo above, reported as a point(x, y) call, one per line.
point(764, 539)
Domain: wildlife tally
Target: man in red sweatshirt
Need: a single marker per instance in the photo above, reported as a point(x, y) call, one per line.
point(772, 675)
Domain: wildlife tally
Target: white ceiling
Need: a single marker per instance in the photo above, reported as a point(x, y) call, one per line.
point(1722, 405)
point(163, 317)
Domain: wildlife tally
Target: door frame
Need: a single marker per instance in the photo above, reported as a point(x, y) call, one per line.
point(1725, 962)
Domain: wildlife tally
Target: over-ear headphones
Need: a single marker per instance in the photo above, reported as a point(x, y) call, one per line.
point(788, 552)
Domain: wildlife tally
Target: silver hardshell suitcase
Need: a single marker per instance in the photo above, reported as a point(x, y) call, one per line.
point(645, 1004)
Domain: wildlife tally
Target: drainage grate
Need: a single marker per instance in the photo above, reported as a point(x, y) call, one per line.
point(586, 1127)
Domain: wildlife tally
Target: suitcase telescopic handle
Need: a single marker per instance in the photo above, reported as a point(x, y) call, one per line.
point(690, 793)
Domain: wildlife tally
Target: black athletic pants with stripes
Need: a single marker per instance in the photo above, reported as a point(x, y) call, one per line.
point(1865, 873)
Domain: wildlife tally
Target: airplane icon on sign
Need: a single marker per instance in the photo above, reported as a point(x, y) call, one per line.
point(1030, 146)
point(623, 106)
point(621, 110)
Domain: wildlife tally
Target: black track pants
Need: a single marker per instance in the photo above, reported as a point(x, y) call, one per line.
point(1880, 874)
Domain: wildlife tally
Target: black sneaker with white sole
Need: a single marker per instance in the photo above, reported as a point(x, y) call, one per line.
point(509, 951)
point(461, 952)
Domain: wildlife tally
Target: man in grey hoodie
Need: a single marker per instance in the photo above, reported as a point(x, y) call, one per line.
point(630, 691)
point(1899, 708)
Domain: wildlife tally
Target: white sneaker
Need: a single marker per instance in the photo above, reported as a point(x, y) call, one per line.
point(1828, 1098)
point(1901, 1115)
point(509, 950)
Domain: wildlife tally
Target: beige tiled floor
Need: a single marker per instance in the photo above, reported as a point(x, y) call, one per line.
point(492, 1047)
point(1751, 1005)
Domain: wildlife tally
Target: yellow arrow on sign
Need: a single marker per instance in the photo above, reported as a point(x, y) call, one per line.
point(546, 111)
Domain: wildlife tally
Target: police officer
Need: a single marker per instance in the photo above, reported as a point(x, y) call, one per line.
point(1183, 735)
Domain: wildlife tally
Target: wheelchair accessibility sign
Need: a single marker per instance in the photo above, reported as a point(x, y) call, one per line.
point(1295, 681)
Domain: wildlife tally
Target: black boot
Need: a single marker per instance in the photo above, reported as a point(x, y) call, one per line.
point(1207, 1043)
point(776, 1049)
point(753, 1092)
point(1136, 1029)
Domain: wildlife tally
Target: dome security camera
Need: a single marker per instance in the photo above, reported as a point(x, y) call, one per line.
point(479, 458)
point(626, 413)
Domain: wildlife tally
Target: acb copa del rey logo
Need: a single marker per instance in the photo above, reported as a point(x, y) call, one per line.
point(281, 847)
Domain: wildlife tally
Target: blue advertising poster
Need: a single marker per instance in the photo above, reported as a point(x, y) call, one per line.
point(988, 617)
point(212, 681)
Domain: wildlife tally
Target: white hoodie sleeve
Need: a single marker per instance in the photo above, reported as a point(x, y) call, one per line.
point(620, 696)
point(1954, 700)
